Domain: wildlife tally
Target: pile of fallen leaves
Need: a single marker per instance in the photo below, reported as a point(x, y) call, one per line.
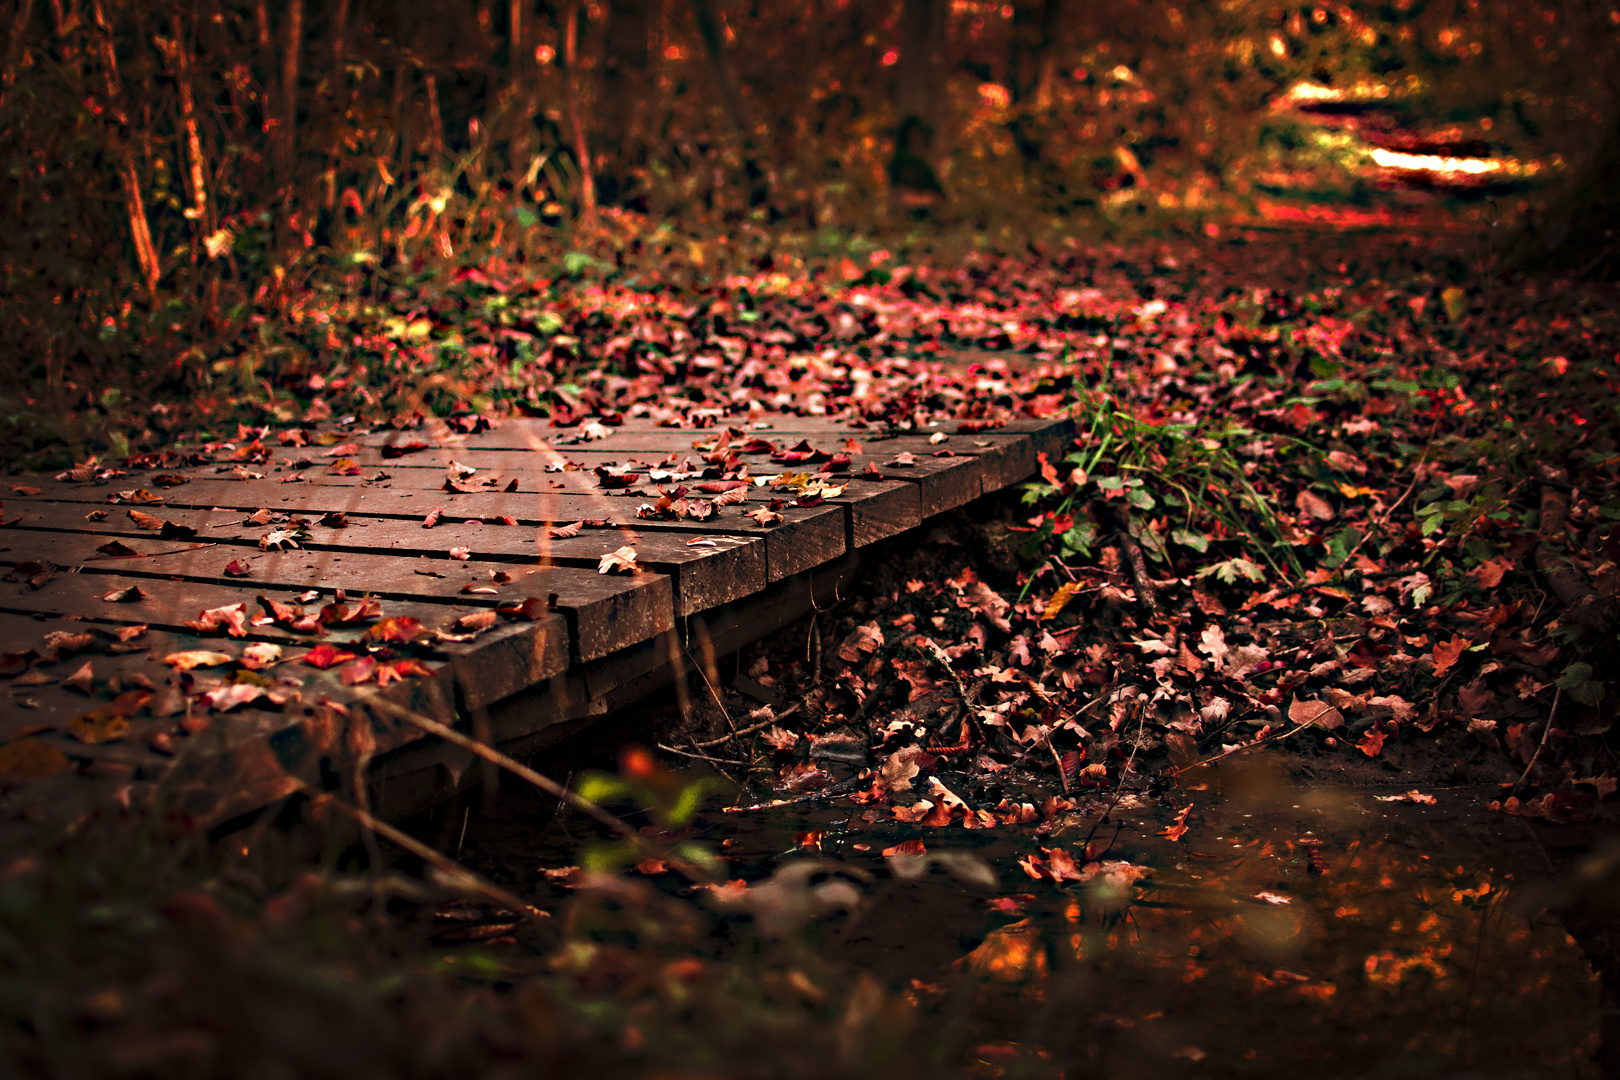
point(1363, 516)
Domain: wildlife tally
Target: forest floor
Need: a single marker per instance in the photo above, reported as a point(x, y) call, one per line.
point(1339, 529)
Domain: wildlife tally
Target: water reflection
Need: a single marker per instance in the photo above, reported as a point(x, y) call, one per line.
point(1265, 941)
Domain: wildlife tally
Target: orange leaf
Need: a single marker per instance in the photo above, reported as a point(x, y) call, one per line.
point(1447, 653)
point(1373, 742)
point(908, 847)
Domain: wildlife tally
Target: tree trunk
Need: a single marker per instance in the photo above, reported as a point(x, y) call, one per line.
point(1034, 51)
point(919, 91)
point(576, 116)
point(714, 44)
point(1580, 233)
point(622, 141)
point(140, 228)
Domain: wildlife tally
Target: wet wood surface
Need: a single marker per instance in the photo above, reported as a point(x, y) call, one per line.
point(344, 578)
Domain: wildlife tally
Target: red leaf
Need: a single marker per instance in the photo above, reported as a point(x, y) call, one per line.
point(326, 655)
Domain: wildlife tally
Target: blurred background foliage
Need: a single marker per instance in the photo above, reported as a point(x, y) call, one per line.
point(180, 178)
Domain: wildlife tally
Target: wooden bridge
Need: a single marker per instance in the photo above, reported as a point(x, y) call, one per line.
point(245, 618)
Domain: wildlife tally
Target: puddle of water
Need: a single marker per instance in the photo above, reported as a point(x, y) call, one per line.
point(1288, 927)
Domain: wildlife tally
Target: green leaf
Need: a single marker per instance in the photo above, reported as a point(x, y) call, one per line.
point(1578, 683)
point(1340, 545)
point(1141, 498)
point(1232, 569)
point(1187, 538)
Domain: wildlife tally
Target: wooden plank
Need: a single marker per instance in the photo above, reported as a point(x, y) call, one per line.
point(538, 434)
point(485, 508)
point(704, 576)
point(607, 612)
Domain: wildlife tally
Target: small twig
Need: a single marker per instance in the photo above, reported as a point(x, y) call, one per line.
point(1119, 789)
point(522, 771)
point(151, 555)
point(436, 859)
point(1239, 749)
point(699, 757)
point(1553, 715)
point(761, 726)
point(840, 788)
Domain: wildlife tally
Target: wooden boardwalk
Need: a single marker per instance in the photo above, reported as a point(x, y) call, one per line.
point(339, 576)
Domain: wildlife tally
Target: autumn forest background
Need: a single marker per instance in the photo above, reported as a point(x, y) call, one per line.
point(182, 179)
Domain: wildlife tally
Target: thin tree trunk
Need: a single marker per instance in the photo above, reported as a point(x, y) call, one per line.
point(340, 30)
point(25, 11)
point(576, 119)
point(919, 91)
point(286, 128)
point(625, 84)
point(731, 99)
point(140, 229)
point(1036, 26)
point(515, 38)
point(188, 121)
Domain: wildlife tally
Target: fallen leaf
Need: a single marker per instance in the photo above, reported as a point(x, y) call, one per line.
point(1373, 742)
point(1447, 653)
point(31, 759)
point(260, 655)
point(1317, 713)
point(231, 618)
point(144, 520)
point(401, 629)
point(237, 568)
point(82, 680)
point(432, 517)
point(130, 594)
point(461, 553)
point(326, 655)
point(1413, 796)
point(196, 658)
point(911, 848)
point(621, 561)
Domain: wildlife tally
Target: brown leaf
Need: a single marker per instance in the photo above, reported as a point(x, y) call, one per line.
point(130, 594)
point(433, 517)
point(83, 680)
point(477, 622)
point(144, 520)
point(231, 618)
point(31, 759)
point(621, 561)
point(260, 655)
point(461, 553)
point(1317, 713)
point(1314, 506)
point(196, 658)
point(237, 568)
point(908, 847)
